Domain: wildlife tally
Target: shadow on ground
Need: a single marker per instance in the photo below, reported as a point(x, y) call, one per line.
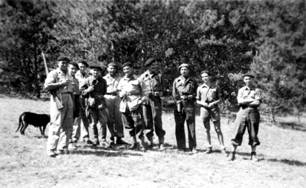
point(105, 153)
point(287, 162)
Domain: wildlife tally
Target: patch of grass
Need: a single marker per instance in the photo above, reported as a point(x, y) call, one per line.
point(23, 160)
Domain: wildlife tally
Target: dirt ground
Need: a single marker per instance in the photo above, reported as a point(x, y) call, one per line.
point(23, 160)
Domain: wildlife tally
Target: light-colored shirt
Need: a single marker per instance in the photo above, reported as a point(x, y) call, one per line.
point(207, 93)
point(151, 83)
point(112, 83)
point(246, 93)
point(130, 92)
point(81, 77)
point(56, 76)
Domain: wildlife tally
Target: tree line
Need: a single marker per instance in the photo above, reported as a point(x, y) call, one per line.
point(228, 38)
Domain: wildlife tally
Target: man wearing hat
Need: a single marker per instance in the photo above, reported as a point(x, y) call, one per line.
point(130, 92)
point(249, 99)
point(80, 128)
point(59, 83)
point(184, 94)
point(151, 84)
point(112, 100)
point(94, 89)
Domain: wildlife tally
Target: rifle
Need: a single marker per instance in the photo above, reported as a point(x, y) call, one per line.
point(57, 100)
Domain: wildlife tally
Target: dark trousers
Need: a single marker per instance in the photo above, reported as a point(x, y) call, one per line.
point(98, 119)
point(152, 115)
point(187, 114)
point(134, 122)
point(249, 119)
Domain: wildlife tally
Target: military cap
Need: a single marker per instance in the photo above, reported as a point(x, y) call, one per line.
point(184, 65)
point(112, 65)
point(248, 75)
point(63, 58)
point(149, 62)
point(127, 64)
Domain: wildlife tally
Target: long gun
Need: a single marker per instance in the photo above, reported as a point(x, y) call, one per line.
point(58, 102)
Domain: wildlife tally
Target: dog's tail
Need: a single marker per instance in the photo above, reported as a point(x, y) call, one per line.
point(20, 122)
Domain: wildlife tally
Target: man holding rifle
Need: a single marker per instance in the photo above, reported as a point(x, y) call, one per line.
point(59, 84)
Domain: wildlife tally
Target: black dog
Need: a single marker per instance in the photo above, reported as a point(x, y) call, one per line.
point(37, 120)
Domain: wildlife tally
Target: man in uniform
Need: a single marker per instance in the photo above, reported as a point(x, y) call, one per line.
point(184, 93)
point(58, 82)
point(249, 99)
point(151, 83)
point(80, 127)
point(112, 100)
point(94, 89)
point(130, 92)
point(208, 97)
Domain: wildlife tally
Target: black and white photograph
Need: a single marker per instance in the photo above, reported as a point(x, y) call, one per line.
point(153, 93)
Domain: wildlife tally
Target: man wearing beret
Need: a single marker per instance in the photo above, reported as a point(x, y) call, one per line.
point(184, 94)
point(94, 88)
point(249, 99)
point(131, 95)
point(151, 82)
point(112, 100)
point(59, 83)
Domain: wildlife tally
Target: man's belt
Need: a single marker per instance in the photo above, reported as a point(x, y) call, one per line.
point(187, 97)
point(66, 92)
point(247, 106)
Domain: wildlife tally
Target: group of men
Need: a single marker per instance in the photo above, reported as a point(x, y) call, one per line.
point(84, 105)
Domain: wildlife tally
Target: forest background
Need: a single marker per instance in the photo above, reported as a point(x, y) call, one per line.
point(228, 38)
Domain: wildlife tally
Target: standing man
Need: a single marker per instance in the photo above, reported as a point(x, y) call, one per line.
point(112, 100)
point(208, 97)
point(130, 92)
point(80, 127)
point(249, 99)
point(61, 116)
point(94, 89)
point(151, 82)
point(184, 93)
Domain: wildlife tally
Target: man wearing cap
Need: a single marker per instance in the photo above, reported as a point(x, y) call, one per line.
point(151, 84)
point(94, 89)
point(184, 94)
point(208, 97)
point(130, 92)
point(80, 127)
point(112, 100)
point(249, 99)
point(61, 118)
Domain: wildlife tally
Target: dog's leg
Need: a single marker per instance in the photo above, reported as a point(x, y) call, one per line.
point(24, 128)
point(20, 122)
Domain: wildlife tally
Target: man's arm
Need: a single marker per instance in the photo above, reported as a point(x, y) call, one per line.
point(241, 100)
point(51, 84)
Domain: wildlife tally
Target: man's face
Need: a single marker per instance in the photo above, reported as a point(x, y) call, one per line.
point(111, 70)
point(127, 70)
point(248, 80)
point(184, 71)
point(95, 72)
point(82, 67)
point(72, 70)
point(62, 65)
point(205, 77)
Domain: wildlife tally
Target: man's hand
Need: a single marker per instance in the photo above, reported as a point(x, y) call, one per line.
point(64, 82)
point(204, 104)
